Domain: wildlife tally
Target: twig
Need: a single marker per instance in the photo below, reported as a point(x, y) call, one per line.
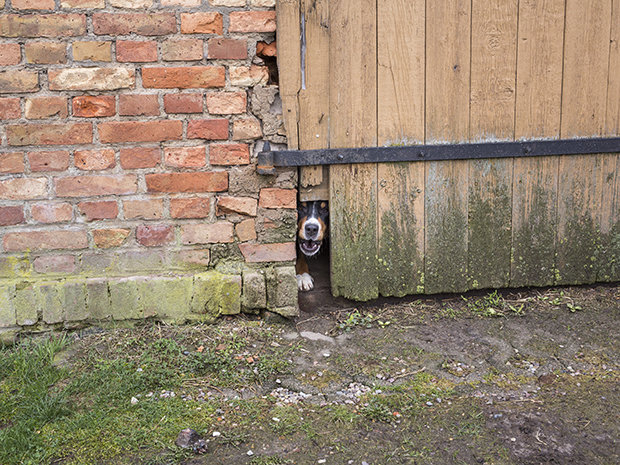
point(537, 436)
point(402, 375)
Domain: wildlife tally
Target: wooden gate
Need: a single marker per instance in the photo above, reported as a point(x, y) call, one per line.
point(391, 72)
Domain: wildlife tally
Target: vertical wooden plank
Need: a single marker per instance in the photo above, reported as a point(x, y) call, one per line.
point(608, 247)
point(492, 109)
point(447, 120)
point(537, 114)
point(400, 110)
point(353, 122)
point(612, 120)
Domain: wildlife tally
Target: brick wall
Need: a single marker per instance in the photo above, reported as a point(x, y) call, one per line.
point(129, 137)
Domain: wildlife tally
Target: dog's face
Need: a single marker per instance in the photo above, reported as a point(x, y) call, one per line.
point(312, 226)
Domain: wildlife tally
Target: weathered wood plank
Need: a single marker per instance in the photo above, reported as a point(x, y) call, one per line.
point(608, 197)
point(400, 88)
point(353, 122)
point(612, 120)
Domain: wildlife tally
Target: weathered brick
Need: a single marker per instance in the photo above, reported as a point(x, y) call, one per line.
point(107, 238)
point(202, 23)
point(7, 308)
point(263, 49)
point(133, 4)
point(262, 253)
point(210, 129)
point(215, 181)
point(12, 162)
point(10, 108)
point(94, 159)
point(138, 105)
point(46, 53)
point(263, 3)
point(246, 230)
point(192, 258)
point(190, 208)
point(220, 232)
point(185, 157)
point(247, 128)
point(98, 298)
point(51, 212)
point(57, 160)
point(23, 188)
point(82, 3)
point(140, 131)
point(186, 77)
point(45, 107)
point(229, 154)
point(17, 81)
point(125, 298)
point(248, 77)
point(49, 134)
point(54, 264)
point(11, 215)
point(182, 50)
point(139, 157)
point(43, 25)
point(98, 210)
point(143, 209)
point(185, 3)
point(174, 103)
point(45, 240)
point(277, 198)
point(254, 295)
point(216, 294)
point(75, 300)
point(133, 51)
point(252, 21)
point(33, 4)
point(143, 24)
point(226, 103)
point(90, 106)
point(91, 78)
point(10, 54)
point(227, 2)
point(239, 205)
point(227, 49)
point(51, 301)
point(84, 186)
point(154, 235)
point(92, 51)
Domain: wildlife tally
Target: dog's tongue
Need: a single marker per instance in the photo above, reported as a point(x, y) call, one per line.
point(311, 245)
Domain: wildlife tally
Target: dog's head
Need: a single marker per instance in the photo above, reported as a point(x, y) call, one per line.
point(312, 226)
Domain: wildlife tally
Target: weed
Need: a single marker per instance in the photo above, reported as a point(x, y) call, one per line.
point(355, 319)
point(268, 460)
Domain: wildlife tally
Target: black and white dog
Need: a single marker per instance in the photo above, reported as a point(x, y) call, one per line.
point(311, 231)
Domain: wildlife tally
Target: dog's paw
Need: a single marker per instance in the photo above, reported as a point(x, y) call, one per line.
point(305, 282)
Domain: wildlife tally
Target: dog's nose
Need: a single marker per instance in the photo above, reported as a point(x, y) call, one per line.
point(312, 230)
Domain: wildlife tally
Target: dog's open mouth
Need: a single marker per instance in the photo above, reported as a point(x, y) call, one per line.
point(309, 247)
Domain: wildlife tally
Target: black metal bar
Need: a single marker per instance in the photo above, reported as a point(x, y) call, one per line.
point(267, 159)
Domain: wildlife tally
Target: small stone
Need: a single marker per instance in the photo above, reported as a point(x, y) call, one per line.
point(134, 401)
point(429, 403)
point(216, 433)
point(250, 453)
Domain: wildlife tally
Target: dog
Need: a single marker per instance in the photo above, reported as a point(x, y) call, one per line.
point(311, 232)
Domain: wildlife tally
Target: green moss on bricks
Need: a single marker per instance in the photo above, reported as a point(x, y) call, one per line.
point(52, 301)
point(7, 311)
point(216, 294)
point(254, 294)
point(26, 303)
point(125, 299)
point(166, 298)
point(282, 291)
point(98, 299)
point(75, 301)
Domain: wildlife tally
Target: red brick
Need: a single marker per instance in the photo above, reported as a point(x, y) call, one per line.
point(190, 208)
point(45, 53)
point(107, 238)
point(51, 212)
point(182, 50)
point(10, 54)
point(229, 154)
point(226, 103)
point(94, 159)
point(262, 253)
point(40, 25)
point(84, 186)
point(246, 230)
point(131, 51)
point(12, 162)
point(185, 77)
point(89, 106)
point(185, 157)
point(54, 264)
point(143, 24)
point(263, 49)
point(11, 215)
point(240, 205)
point(210, 129)
point(23, 188)
point(18, 81)
point(174, 103)
point(49, 161)
point(246, 128)
point(143, 209)
point(98, 210)
point(202, 23)
point(46, 107)
point(44, 240)
point(139, 157)
point(154, 235)
point(227, 49)
point(252, 76)
point(10, 109)
point(49, 134)
point(220, 232)
point(252, 21)
point(33, 4)
point(277, 198)
point(140, 131)
point(215, 181)
point(138, 105)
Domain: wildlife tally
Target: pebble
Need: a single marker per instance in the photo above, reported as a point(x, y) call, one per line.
point(250, 453)
point(321, 461)
point(216, 434)
point(429, 403)
point(134, 401)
